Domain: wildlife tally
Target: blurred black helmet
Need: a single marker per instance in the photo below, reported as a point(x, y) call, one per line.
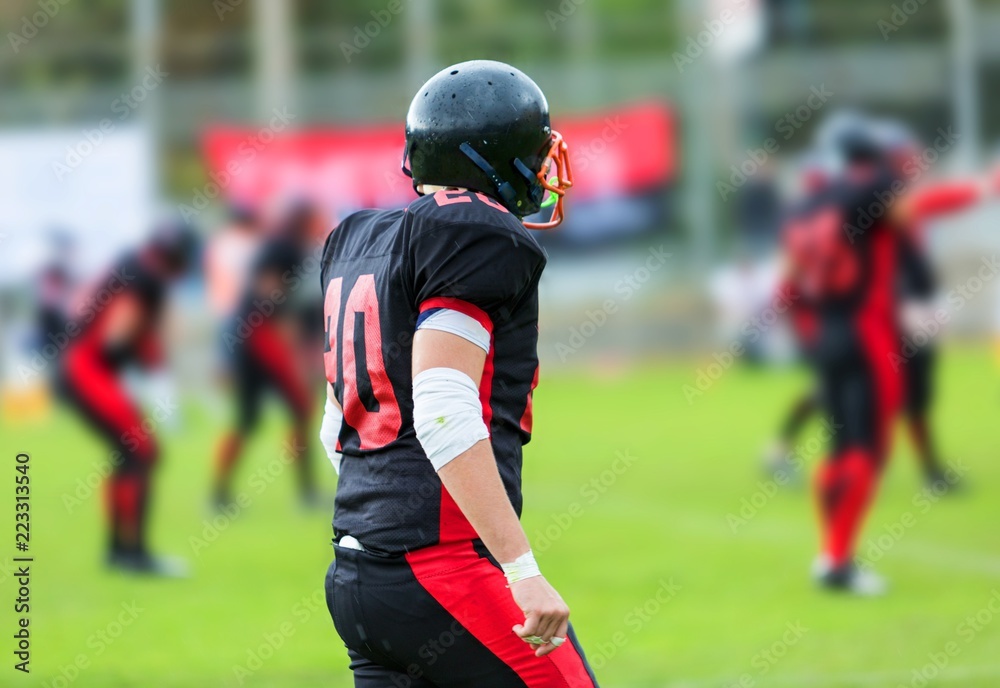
point(853, 138)
point(173, 241)
point(484, 125)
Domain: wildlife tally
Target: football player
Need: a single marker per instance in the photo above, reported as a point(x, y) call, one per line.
point(918, 204)
point(229, 256)
point(431, 314)
point(842, 244)
point(262, 339)
point(119, 325)
point(918, 288)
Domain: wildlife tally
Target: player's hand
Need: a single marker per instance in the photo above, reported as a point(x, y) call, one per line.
point(546, 616)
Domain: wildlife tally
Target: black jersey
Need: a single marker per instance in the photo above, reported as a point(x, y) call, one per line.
point(380, 271)
point(916, 272)
point(130, 277)
point(840, 244)
point(273, 279)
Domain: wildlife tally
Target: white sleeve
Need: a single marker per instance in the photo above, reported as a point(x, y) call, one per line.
point(460, 324)
point(333, 419)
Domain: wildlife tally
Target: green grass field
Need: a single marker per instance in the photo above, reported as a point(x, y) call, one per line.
point(627, 491)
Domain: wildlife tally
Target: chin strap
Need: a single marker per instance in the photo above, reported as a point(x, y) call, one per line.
point(504, 189)
point(557, 185)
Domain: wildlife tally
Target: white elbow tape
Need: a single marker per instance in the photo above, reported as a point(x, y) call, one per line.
point(459, 324)
point(523, 567)
point(447, 414)
point(329, 431)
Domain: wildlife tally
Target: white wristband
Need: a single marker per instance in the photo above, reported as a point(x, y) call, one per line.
point(523, 567)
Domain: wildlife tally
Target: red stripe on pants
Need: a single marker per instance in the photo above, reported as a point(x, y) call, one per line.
point(475, 593)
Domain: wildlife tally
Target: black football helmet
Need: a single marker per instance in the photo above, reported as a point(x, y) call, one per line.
point(484, 125)
point(174, 242)
point(852, 138)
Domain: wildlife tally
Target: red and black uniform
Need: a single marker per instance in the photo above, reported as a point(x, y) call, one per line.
point(844, 259)
point(265, 357)
point(54, 290)
point(90, 379)
point(425, 575)
point(918, 284)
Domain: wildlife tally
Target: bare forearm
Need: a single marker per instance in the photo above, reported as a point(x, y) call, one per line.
point(474, 483)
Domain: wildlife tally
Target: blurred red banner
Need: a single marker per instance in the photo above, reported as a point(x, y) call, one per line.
point(614, 153)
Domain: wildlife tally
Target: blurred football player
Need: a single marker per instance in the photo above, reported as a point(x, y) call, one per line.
point(119, 322)
point(814, 174)
point(55, 288)
point(431, 314)
point(227, 263)
point(919, 203)
point(924, 202)
point(842, 247)
point(229, 256)
point(263, 340)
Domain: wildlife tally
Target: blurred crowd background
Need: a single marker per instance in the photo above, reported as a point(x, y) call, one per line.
point(669, 107)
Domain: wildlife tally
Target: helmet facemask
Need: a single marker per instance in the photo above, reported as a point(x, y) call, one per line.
point(557, 184)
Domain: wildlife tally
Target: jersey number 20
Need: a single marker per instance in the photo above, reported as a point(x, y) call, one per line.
point(378, 422)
